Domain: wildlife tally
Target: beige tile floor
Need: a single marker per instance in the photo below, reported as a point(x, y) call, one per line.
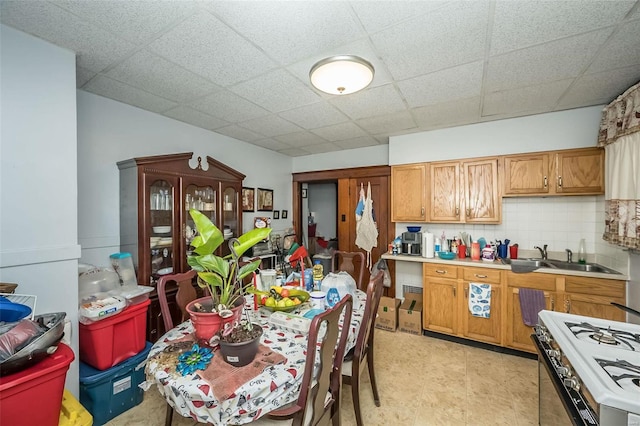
point(421, 381)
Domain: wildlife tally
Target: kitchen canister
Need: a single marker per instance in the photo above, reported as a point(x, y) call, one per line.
point(318, 299)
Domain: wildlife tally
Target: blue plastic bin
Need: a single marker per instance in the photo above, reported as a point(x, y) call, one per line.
point(109, 393)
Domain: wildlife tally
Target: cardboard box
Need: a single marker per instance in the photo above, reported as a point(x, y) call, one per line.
point(410, 314)
point(387, 318)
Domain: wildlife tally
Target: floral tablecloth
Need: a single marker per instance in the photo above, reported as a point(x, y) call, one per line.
point(278, 385)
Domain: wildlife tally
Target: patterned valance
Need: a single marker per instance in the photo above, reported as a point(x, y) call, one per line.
point(621, 117)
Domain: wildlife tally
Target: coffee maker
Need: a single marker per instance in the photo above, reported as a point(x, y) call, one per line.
point(412, 243)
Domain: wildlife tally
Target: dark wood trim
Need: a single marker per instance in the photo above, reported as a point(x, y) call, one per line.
point(336, 174)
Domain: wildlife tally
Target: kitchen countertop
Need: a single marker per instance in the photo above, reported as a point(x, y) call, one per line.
point(500, 265)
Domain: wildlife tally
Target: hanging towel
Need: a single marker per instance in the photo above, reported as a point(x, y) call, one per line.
point(480, 300)
point(366, 229)
point(531, 302)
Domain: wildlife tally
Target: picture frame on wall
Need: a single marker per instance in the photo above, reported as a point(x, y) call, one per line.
point(248, 199)
point(285, 213)
point(276, 214)
point(265, 200)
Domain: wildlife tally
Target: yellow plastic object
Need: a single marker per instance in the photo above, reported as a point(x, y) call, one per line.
point(73, 413)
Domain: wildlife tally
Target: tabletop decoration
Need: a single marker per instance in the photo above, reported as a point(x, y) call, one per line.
point(196, 359)
point(222, 276)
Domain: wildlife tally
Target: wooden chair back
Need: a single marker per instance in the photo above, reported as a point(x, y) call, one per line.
point(352, 262)
point(319, 403)
point(364, 341)
point(185, 294)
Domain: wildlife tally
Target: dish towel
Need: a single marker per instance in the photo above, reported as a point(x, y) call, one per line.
point(480, 300)
point(531, 302)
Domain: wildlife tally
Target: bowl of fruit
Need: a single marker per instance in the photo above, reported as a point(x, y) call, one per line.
point(281, 299)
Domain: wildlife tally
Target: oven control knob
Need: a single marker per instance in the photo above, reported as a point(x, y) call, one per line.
point(554, 353)
point(571, 383)
point(563, 371)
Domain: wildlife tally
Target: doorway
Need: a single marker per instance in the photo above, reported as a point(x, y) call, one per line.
point(348, 189)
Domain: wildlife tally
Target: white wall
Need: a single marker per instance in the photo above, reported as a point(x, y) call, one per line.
point(559, 222)
point(360, 157)
point(38, 198)
point(110, 131)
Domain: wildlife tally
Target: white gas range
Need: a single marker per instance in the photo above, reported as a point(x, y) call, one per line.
point(589, 370)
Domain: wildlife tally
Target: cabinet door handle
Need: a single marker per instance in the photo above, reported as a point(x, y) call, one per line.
point(545, 181)
point(553, 303)
point(440, 271)
point(567, 305)
point(422, 212)
point(457, 211)
point(469, 212)
point(454, 290)
point(480, 276)
point(559, 181)
point(466, 294)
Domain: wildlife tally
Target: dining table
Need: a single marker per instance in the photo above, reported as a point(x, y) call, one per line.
point(222, 394)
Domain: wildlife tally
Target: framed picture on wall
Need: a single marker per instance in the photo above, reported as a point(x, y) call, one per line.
point(276, 214)
point(285, 213)
point(248, 199)
point(265, 200)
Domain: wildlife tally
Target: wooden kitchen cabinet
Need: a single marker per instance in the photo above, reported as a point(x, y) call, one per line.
point(156, 194)
point(444, 192)
point(483, 202)
point(592, 297)
point(408, 193)
point(517, 333)
point(487, 330)
point(465, 192)
point(440, 312)
point(567, 172)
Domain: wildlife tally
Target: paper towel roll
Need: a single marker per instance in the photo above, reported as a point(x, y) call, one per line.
point(427, 245)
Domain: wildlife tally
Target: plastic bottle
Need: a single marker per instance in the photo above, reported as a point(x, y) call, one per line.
point(437, 244)
point(308, 279)
point(582, 252)
point(318, 275)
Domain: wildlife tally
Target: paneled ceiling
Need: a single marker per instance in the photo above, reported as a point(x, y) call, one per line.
point(240, 68)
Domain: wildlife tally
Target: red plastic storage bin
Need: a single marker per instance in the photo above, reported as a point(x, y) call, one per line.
point(34, 396)
point(107, 342)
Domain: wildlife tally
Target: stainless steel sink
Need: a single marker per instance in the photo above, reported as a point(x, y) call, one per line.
point(585, 267)
point(531, 264)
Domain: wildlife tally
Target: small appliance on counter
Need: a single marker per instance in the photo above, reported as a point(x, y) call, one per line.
point(412, 243)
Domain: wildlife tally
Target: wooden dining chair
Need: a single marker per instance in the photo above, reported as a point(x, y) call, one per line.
point(185, 294)
point(362, 353)
point(319, 400)
point(347, 261)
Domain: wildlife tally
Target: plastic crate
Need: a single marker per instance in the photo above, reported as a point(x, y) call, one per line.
point(107, 342)
point(107, 394)
point(34, 396)
point(73, 413)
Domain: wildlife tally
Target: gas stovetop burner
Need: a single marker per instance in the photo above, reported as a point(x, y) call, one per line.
point(604, 337)
point(608, 336)
point(625, 374)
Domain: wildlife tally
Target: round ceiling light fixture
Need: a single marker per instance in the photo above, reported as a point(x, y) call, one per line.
point(341, 74)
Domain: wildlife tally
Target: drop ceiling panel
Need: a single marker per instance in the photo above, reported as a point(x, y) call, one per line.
point(387, 123)
point(228, 106)
point(594, 89)
point(159, 76)
point(122, 92)
point(622, 50)
point(448, 114)
point(270, 126)
point(206, 46)
point(376, 16)
point(340, 132)
point(197, 118)
point(373, 102)
point(532, 99)
point(316, 115)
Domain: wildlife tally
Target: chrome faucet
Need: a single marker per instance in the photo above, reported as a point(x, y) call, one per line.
point(543, 251)
point(569, 254)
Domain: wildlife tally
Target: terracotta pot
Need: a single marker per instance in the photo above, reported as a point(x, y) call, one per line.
point(240, 354)
point(207, 324)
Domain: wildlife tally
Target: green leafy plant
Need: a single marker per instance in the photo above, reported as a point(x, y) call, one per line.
point(222, 276)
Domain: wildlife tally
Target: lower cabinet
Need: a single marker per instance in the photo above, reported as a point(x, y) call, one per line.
point(518, 334)
point(477, 328)
point(592, 297)
point(446, 302)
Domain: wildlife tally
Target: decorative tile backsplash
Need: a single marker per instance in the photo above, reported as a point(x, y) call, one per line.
point(559, 222)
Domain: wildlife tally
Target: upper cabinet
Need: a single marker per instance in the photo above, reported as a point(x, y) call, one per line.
point(465, 191)
point(483, 202)
point(567, 172)
point(156, 194)
point(444, 194)
point(408, 193)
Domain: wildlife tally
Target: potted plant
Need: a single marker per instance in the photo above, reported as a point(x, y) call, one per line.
point(222, 277)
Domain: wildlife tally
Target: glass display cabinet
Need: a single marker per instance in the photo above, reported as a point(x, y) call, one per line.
point(156, 194)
